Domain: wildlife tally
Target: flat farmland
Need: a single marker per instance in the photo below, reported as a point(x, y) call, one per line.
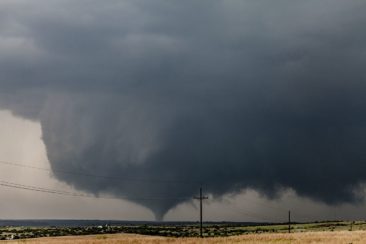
point(304, 237)
point(317, 232)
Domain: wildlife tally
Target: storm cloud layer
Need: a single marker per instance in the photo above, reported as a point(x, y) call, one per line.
point(258, 94)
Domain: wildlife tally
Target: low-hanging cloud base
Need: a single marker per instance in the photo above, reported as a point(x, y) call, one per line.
point(257, 94)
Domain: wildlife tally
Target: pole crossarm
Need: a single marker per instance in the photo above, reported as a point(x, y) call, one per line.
point(203, 198)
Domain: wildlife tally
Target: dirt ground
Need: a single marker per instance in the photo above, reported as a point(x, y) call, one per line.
point(344, 237)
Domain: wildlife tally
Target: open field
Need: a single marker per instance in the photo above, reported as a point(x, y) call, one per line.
point(177, 230)
point(304, 237)
point(318, 232)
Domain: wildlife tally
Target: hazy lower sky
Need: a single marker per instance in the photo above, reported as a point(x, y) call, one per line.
point(260, 101)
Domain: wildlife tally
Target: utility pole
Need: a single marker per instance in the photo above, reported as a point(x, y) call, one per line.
point(201, 197)
point(289, 221)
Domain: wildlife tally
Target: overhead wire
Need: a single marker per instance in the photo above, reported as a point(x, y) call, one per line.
point(248, 213)
point(294, 211)
point(75, 194)
point(85, 174)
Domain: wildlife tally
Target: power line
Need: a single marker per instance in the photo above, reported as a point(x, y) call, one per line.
point(141, 198)
point(277, 208)
point(289, 221)
point(85, 174)
point(80, 173)
point(201, 197)
point(248, 214)
point(74, 194)
point(35, 188)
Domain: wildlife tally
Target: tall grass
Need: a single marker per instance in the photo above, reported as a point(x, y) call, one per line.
point(295, 238)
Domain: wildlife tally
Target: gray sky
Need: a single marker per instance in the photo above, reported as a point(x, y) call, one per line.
point(21, 143)
point(254, 99)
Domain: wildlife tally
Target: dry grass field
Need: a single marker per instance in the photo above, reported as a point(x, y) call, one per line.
point(344, 237)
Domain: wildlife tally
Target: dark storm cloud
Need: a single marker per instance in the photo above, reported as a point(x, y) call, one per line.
point(251, 94)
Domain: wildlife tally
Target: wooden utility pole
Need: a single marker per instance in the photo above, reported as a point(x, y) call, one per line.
point(201, 197)
point(289, 221)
